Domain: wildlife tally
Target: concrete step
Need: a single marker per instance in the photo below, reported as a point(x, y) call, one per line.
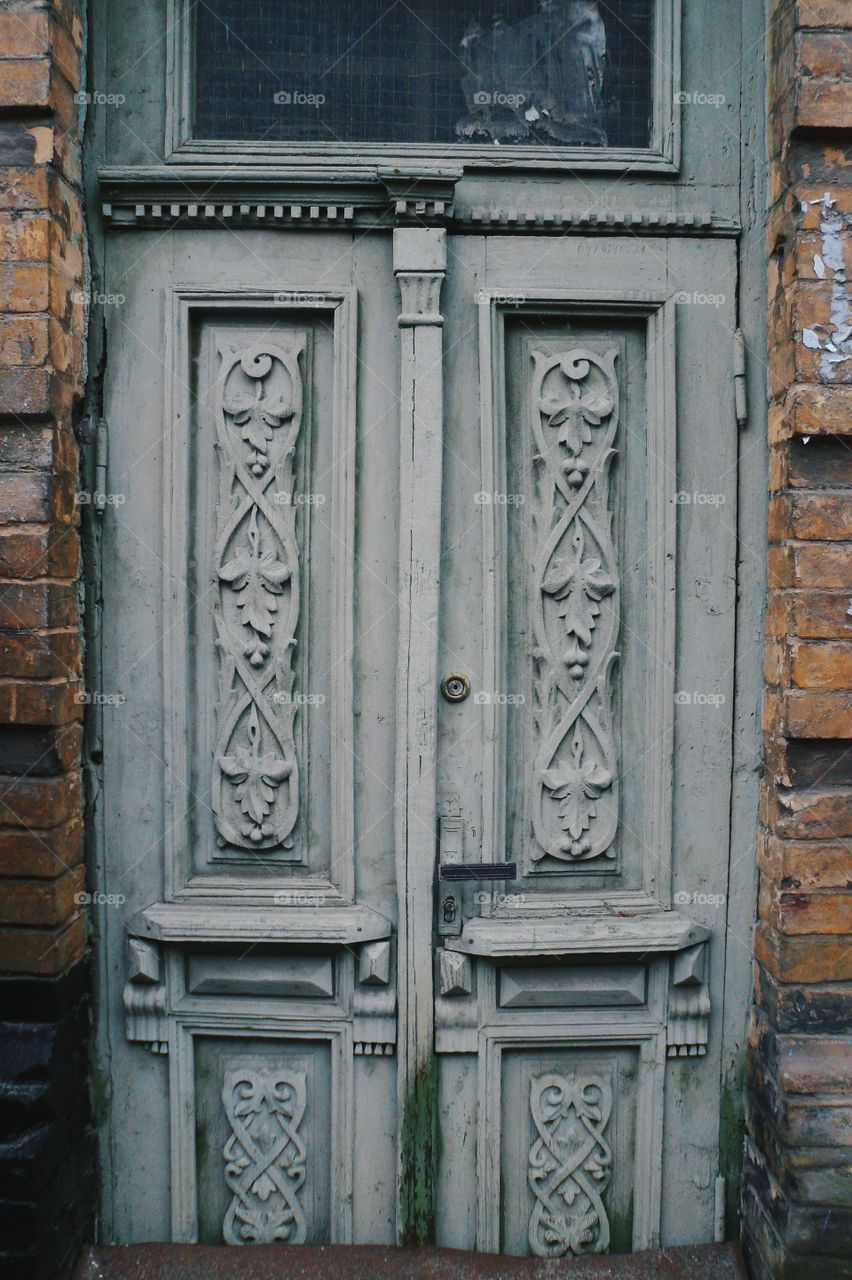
point(380, 1262)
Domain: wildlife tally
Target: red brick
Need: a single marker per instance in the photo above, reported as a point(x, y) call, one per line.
point(43, 951)
point(25, 83)
point(806, 864)
point(823, 517)
point(24, 35)
point(25, 288)
point(40, 655)
point(805, 959)
point(819, 565)
point(822, 666)
point(809, 714)
point(40, 702)
point(39, 802)
point(23, 340)
point(42, 902)
point(824, 104)
point(38, 551)
point(24, 237)
point(825, 53)
point(820, 614)
point(794, 912)
point(809, 815)
point(30, 605)
point(37, 497)
point(46, 853)
point(25, 393)
point(823, 13)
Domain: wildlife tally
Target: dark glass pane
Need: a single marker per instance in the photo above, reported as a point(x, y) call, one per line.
point(546, 72)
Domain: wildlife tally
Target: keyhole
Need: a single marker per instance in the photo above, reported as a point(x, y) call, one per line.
point(455, 688)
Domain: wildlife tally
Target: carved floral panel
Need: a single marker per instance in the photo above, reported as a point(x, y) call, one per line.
point(570, 1164)
point(574, 802)
point(265, 1156)
point(258, 583)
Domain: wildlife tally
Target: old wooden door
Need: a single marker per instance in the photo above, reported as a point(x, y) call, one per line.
point(413, 643)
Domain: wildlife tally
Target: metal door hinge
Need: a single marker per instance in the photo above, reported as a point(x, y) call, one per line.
point(101, 451)
point(740, 386)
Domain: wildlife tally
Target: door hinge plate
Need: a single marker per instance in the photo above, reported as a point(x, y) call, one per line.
point(740, 386)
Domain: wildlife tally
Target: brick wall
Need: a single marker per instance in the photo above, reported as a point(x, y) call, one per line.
point(46, 1182)
point(798, 1179)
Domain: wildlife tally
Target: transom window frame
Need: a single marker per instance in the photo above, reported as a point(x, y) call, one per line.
point(662, 155)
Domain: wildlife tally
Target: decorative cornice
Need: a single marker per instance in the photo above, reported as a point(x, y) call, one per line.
point(579, 221)
point(188, 196)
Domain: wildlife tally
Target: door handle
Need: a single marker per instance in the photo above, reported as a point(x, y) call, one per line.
point(479, 871)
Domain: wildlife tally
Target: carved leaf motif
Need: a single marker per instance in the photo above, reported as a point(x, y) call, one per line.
point(258, 577)
point(257, 417)
point(256, 777)
point(575, 416)
point(574, 423)
point(570, 1164)
point(265, 1156)
point(577, 784)
point(259, 592)
point(580, 584)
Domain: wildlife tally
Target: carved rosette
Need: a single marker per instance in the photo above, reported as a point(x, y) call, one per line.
point(570, 1164)
point(257, 573)
point(575, 606)
point(265, 1157)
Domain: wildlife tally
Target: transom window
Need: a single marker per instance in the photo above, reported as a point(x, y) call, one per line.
point(460, 73)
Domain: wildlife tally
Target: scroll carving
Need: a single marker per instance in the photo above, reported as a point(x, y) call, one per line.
point(257, 572)
point(570, 1164)
point(575, 606)
point(265, 1157)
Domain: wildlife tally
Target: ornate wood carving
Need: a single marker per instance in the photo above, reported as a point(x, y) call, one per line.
point(570, 1164)
point(256, 565)
point(144, 997)
point(688, 1028)
point(265, 1156)
point(575, 606)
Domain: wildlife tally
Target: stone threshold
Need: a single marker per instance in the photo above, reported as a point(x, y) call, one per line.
point(375, 1262)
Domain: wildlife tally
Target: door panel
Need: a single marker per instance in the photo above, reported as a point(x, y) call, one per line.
point(250, 602)
point(585, 559)
point(280, 619)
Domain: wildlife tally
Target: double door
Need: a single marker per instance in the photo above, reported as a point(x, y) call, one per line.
point(419, 600)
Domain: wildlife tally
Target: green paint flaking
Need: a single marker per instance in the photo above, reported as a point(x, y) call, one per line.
point(419, 1159)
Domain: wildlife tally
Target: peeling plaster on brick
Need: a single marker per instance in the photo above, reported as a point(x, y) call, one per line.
point(836, 347)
